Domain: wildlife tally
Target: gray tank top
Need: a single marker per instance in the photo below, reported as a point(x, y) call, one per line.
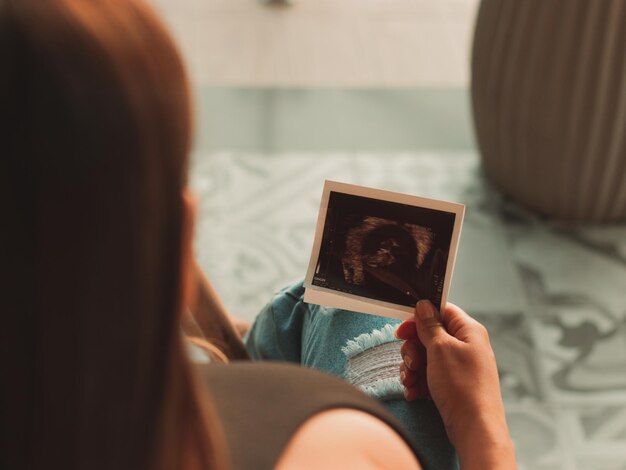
point(261, 405)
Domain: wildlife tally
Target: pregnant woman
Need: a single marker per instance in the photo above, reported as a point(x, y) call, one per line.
point(97, 275)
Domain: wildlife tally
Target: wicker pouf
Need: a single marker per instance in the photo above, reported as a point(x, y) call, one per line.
point(549, 102)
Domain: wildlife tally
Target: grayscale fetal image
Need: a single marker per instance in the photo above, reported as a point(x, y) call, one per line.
point(384, 250)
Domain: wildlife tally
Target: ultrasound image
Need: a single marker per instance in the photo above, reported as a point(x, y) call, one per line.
point(383, 250)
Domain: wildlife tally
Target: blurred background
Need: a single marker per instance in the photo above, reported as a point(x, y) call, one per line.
point(525, 125)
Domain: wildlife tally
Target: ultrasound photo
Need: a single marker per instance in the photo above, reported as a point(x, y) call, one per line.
point(382, 248)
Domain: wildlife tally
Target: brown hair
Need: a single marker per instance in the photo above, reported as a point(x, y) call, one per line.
point(96, 132)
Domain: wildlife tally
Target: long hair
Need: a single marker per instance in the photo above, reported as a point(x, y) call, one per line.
point(95, 126)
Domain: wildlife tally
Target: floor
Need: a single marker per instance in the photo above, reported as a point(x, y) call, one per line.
point(374, 92)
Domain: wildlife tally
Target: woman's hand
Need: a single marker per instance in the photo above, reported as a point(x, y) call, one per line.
point(452, 362)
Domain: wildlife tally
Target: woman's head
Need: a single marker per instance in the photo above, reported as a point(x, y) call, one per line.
point(96, 131)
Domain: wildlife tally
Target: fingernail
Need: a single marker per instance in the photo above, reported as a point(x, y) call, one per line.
point(408, 360)
point(425, 310)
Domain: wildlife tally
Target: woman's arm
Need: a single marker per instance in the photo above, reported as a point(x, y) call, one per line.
point(210, 318)
point(452, 361)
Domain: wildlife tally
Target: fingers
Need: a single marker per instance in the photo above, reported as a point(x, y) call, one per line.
point(410, 355)
point(453, 312)
point(413, 370)
point(429, 328)
point(408, 377)
point(413, 393)
point(407, 330)
point(460, 325)
point(414, 382)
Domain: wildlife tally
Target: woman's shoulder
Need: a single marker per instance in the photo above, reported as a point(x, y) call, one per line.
point(346, 438)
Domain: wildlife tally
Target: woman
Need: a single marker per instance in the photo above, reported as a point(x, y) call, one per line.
point(97, 271)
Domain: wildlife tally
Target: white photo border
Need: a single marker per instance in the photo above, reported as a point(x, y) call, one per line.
point(345, 301)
